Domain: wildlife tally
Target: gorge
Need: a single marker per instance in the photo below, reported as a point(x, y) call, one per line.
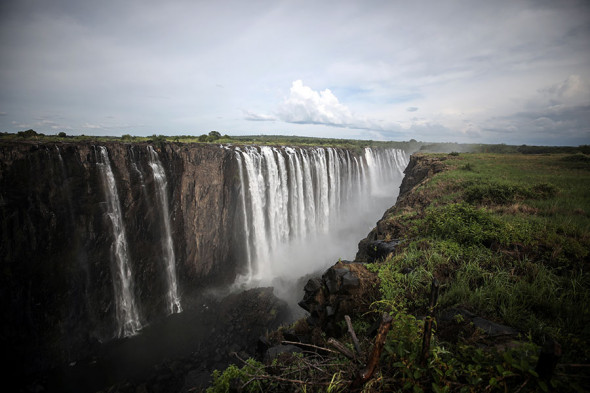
point(102, 241)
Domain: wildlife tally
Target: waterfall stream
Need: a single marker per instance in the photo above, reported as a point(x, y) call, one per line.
point(167, 244)
point(304, 208)
point(127, 312)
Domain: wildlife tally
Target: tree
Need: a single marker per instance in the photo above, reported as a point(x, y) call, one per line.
point(214, 135)
point(29, 134)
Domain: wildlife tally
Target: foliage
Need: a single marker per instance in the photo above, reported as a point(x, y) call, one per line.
point(238, 377)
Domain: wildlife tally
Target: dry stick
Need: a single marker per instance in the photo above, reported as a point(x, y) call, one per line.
point(307, 345)
point(428, 323)
point(341, 348)
point(376, 353)
point(352, 334)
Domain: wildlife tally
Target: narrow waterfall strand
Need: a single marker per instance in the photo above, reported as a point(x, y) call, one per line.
point(127, 312)
point(167, 243)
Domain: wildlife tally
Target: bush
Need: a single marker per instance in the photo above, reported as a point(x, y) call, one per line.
point(223, 381)
point(464, 224)
point(492, 193)
point(29, 134)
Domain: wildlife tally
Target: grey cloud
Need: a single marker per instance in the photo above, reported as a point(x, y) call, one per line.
point(557, 125)
point(251, 116)
point(412, 109)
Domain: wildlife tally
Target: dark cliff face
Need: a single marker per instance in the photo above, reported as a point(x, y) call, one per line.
point(419, 169)
point(56, 286)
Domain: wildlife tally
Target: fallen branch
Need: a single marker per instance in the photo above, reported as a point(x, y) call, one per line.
point(376, 353)
point(281, 379)
point(307, 345)
point(341, 348)
point(352, 334)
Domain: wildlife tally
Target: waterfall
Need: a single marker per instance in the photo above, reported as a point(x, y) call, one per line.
point(167, 244)
point(304, 206)
point(127, 313)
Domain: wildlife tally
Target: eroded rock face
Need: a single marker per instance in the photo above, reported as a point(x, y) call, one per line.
point(419, 169)
point(56, 255)
point(346, 288)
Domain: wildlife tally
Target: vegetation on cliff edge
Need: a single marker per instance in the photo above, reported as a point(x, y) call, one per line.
point(507, 238)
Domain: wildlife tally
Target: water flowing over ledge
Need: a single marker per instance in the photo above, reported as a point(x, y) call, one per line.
point(99, 242)
point(127, 311)
point(304, 207)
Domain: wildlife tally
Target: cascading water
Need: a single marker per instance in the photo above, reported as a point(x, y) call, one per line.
point(167, 244)
point(306, 207)
point(127, 312)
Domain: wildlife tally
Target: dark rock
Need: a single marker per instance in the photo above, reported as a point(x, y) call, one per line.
point(419, 169)
point(313, 285)
point(262, 346)
point(350, 281)
point(290, 335)
point(456, 322)
point(347, 289)
point(380, 249)
point(56, 286)
point(493, 329)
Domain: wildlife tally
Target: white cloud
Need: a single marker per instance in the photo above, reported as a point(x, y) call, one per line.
point(87, 62)
point(307, 106)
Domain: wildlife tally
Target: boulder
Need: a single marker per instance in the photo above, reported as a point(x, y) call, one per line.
point(346, 288)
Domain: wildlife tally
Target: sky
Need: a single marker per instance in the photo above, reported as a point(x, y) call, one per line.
point(514, 72)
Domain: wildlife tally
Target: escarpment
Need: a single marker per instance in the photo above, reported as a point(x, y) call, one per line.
point(383, 237)
point(100, 241)
point(58, 243)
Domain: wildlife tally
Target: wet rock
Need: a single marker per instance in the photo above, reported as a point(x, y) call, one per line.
point(455, 323)
point(419, 170)
point(346, 288)
point(380, 249)
point(493, 329)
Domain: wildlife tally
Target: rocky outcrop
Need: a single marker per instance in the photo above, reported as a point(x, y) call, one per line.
point(344, 289)
point(378, 244)
point(56, 287)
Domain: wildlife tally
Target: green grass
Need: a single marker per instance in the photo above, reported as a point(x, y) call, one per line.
point(513, 235)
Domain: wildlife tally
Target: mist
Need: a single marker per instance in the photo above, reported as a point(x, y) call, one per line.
point(370, 189)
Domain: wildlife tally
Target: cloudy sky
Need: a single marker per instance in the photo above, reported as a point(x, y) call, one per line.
point(465, 71)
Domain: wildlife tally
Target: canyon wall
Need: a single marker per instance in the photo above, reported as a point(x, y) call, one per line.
point(100, 240)
point(58, 244)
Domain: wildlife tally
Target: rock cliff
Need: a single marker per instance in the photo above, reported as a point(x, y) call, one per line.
point(101, 241)
point(56, 289)
point(419, 169)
